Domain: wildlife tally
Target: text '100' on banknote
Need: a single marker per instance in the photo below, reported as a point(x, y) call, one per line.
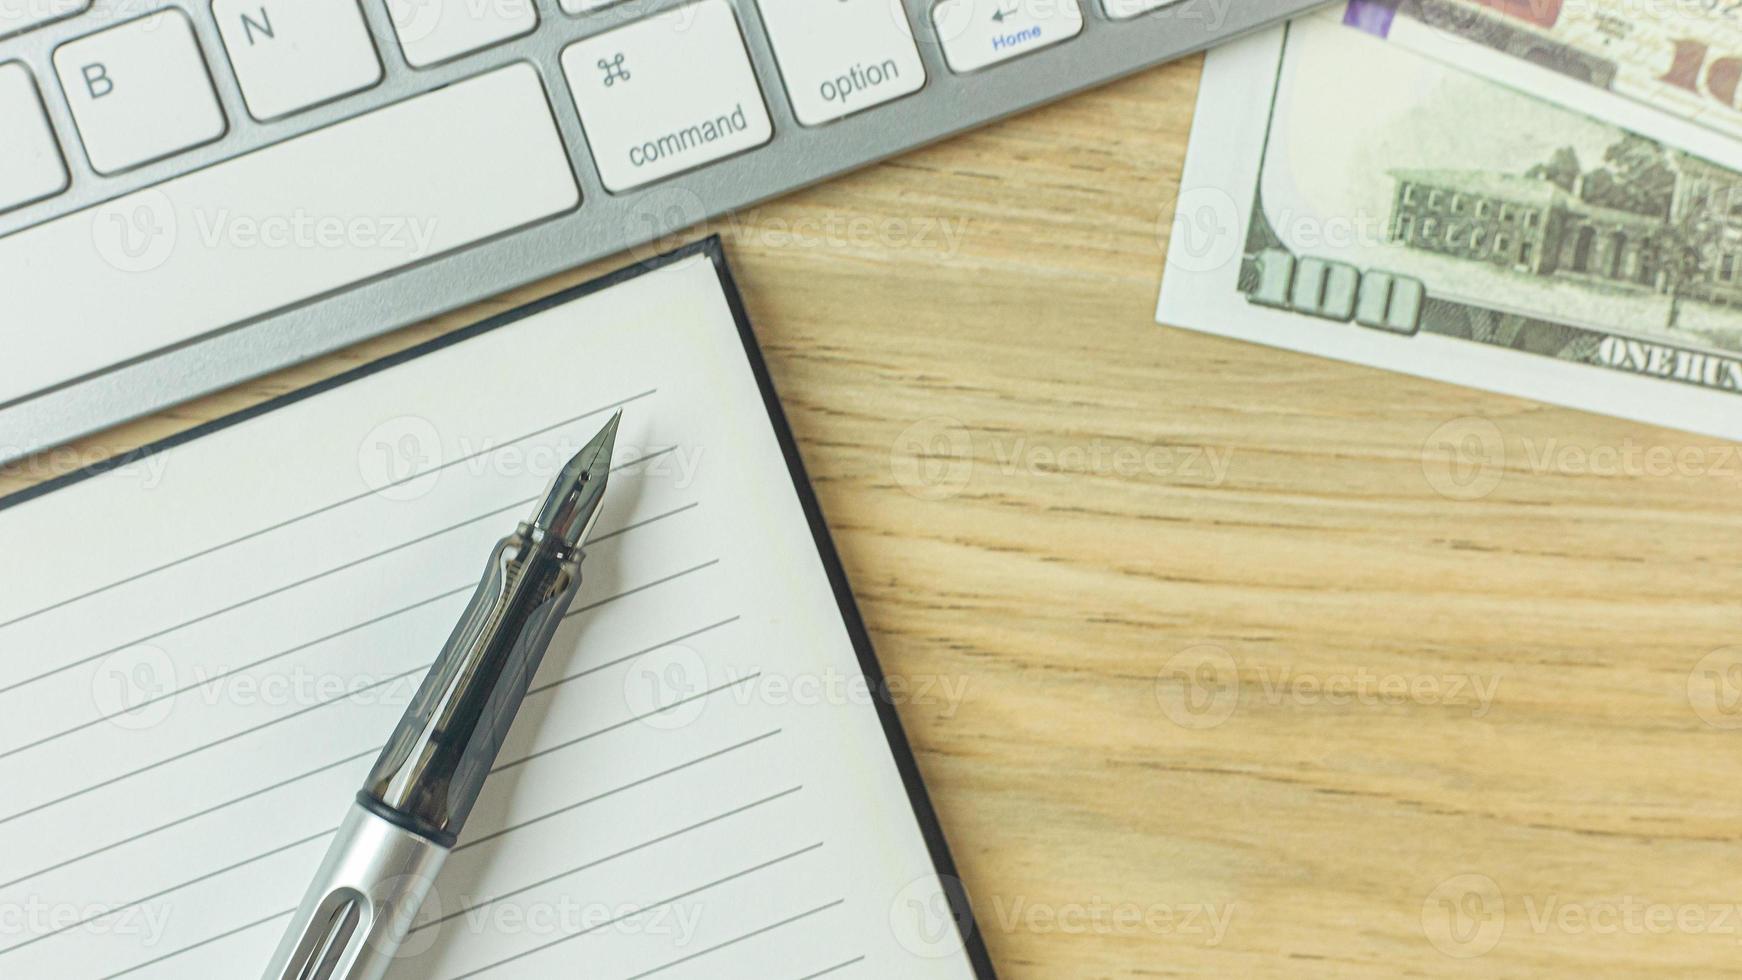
point(1353, 198)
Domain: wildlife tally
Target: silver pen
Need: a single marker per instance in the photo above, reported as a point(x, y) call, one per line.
point(411, 810)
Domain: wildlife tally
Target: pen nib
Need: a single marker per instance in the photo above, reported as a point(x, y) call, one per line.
point(571, 506)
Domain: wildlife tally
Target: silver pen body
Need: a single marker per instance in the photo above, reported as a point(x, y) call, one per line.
point(383, 864)
point(361, 904)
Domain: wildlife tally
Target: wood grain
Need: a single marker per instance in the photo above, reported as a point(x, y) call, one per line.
point(1210, 679)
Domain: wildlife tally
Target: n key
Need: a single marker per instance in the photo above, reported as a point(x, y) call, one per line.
point(291, 55)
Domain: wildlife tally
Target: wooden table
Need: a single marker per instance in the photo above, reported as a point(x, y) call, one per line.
point(1211, 680)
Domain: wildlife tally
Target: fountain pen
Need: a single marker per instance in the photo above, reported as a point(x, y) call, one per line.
point(410, 812)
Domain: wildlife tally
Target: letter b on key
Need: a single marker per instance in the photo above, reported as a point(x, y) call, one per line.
point(97, 80)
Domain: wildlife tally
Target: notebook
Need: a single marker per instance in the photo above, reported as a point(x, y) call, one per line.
point(204, 645)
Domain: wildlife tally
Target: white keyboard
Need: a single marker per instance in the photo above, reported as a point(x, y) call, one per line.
point(194, 194)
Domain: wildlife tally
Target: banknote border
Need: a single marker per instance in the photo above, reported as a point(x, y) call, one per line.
point(1227, 142)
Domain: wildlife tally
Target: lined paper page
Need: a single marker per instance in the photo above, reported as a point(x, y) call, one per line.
point(202, 653)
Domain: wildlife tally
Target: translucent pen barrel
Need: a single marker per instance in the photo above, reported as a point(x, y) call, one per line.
point(433, 769)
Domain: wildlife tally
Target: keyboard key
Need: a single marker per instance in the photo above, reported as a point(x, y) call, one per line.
point(979, 33)
point(31, 167)
point(139, 92)
point(843, 56)
point(433, 31)
point(265, 231)
point(18, 16)
point(667, 94)
point(290, 55)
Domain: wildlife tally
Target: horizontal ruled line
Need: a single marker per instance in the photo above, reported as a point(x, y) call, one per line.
point(280, 849)
point(257, 923)
point(283, 589)
point(190, 817)
point(838, 967)
point(597, 862)
point(365, 624)
point(302, 712)
point(837, 903)
point(747, 872)
point(324, 509)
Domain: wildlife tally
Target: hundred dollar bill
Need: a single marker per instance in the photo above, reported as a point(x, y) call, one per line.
point(1683, 57)
point(1354, 199)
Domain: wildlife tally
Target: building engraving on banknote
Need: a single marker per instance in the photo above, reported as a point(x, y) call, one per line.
point(1609, 249)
